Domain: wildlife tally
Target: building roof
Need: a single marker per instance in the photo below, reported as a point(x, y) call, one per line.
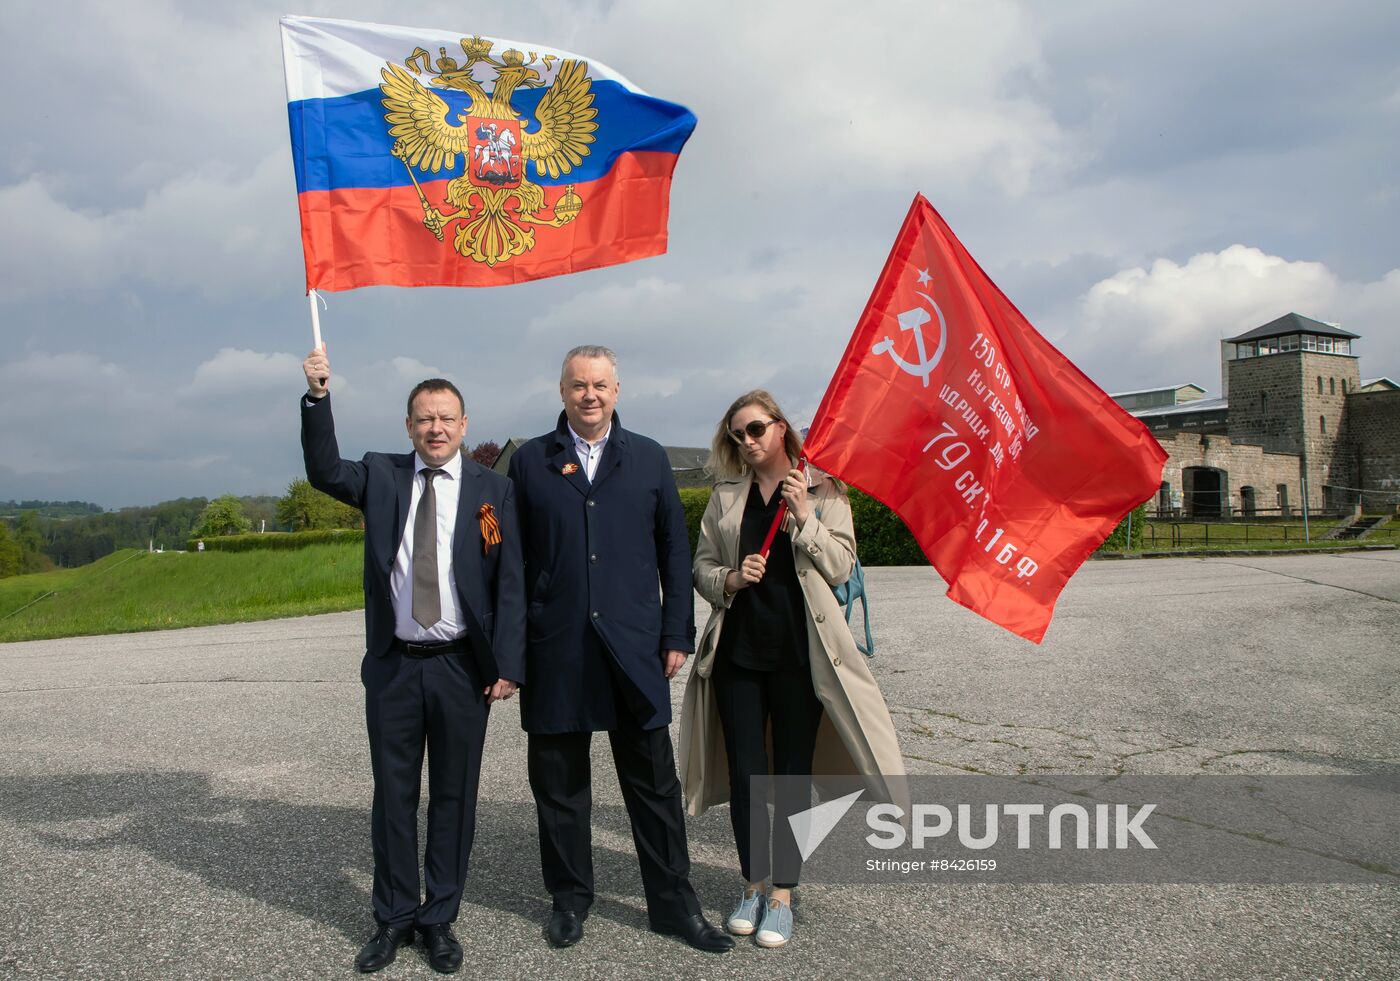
point(1184, 408)
point(507, 451)
point(1292, 323)
point(1381, 384)
point(1159, 388)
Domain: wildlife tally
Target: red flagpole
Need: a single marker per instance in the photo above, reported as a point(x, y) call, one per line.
point(782, 513)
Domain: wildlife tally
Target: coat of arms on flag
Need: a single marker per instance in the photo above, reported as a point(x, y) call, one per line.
point(496, 203)
point(446, 158)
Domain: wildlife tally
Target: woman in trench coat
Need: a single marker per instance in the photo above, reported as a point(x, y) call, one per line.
point(778, 685)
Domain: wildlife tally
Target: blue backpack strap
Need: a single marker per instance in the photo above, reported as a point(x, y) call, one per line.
point(857, 592)
point(846, 595)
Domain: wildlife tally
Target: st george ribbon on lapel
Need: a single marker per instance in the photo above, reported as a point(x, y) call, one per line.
point(444, 158)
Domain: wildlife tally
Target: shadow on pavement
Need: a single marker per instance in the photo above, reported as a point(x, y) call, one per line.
point(308, 859)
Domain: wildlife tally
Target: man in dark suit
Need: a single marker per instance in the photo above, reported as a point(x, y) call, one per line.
point(603, 527)
point(444, 638)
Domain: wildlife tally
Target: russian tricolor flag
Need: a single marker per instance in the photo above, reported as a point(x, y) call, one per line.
point(433, 158)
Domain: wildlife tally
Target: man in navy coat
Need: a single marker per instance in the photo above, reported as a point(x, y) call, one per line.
point(610, 621)
point(444, 638)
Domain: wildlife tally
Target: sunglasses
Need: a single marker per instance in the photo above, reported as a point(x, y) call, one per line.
point(756, 429)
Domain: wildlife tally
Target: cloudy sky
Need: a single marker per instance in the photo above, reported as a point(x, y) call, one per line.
point(1140, 178)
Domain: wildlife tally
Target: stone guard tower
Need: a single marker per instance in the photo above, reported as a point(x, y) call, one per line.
point(1287, 384)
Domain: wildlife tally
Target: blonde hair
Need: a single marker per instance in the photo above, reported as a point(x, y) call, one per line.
point(725, 458)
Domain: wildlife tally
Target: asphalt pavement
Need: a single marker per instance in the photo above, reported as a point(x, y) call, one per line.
point(195, 803)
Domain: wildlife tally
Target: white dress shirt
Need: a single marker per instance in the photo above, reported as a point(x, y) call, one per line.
point(589, 453)
point(445, 491)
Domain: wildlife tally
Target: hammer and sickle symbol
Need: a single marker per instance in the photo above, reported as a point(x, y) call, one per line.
point(914, 320)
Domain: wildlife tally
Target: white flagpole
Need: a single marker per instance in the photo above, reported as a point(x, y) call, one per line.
point(313, 296)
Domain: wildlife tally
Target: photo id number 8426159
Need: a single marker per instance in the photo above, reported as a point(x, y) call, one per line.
point(962, 865)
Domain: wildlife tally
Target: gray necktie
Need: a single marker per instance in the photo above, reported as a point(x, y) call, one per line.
point(427, 602)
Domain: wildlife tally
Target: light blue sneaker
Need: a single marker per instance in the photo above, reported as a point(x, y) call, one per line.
point(776, 927)
point(744, 920)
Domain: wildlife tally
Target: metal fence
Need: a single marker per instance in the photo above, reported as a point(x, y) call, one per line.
point(1225, 534)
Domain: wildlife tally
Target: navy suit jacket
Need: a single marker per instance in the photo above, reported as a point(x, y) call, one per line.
point(490, 583)
point(613, 555)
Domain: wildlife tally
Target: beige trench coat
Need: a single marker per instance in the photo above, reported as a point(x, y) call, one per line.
point(856, 736)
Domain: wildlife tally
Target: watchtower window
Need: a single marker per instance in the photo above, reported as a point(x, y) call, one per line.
point(1331, 386)
point(1322, 423)
point(1319, 384)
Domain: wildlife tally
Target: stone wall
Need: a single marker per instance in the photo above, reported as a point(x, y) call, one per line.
point(1244, 465)
point(1373, 442)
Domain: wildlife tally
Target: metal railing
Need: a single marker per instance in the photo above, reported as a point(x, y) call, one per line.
point(1243, 534)
point(1229, 513)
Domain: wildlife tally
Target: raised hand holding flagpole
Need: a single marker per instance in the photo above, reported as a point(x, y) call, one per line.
point(317, 368)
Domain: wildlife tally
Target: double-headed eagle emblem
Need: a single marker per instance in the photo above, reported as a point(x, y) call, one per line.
point(496, 201)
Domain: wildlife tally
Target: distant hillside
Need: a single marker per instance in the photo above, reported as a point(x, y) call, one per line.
point(134, 590)
point(76, 539)
point(49, 509)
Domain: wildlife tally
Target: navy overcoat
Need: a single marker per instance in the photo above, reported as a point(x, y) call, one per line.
point(613, 557)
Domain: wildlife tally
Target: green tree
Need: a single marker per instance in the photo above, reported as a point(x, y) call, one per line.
point(1117, 541)
point(31, 543)
point(223, 516)
point(300, 509)
point(304, 508)
point(78, 541)
point(11, 555)
point(261, 508)
point(881, 537)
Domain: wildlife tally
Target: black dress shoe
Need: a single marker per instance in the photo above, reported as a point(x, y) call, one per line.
point(700, 934)
point(565, 928)
point(443, 951)
point(382, 948)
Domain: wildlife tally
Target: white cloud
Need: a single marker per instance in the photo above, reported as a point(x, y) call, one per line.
point(613, 304)
point(1162, 323)
point(110, 433)
point(790, 94)
point(236, 371)
point(1212, 295)
point(411, 371)
point(217, 232)
point(71, 410)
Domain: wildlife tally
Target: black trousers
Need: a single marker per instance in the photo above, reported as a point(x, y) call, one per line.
point(412, 704)
point(748, 701)
point(562, 782)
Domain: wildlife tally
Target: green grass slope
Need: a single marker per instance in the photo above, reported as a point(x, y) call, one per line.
point(134, 590)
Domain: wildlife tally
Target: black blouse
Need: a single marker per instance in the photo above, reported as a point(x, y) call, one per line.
point(765, 628)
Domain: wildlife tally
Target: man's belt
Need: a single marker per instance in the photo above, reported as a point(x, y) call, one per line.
point(462, 645)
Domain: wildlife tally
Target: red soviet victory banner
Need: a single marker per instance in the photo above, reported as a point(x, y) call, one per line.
point(1008, 464)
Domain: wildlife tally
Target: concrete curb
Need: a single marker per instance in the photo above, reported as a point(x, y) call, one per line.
point(1207, 553)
